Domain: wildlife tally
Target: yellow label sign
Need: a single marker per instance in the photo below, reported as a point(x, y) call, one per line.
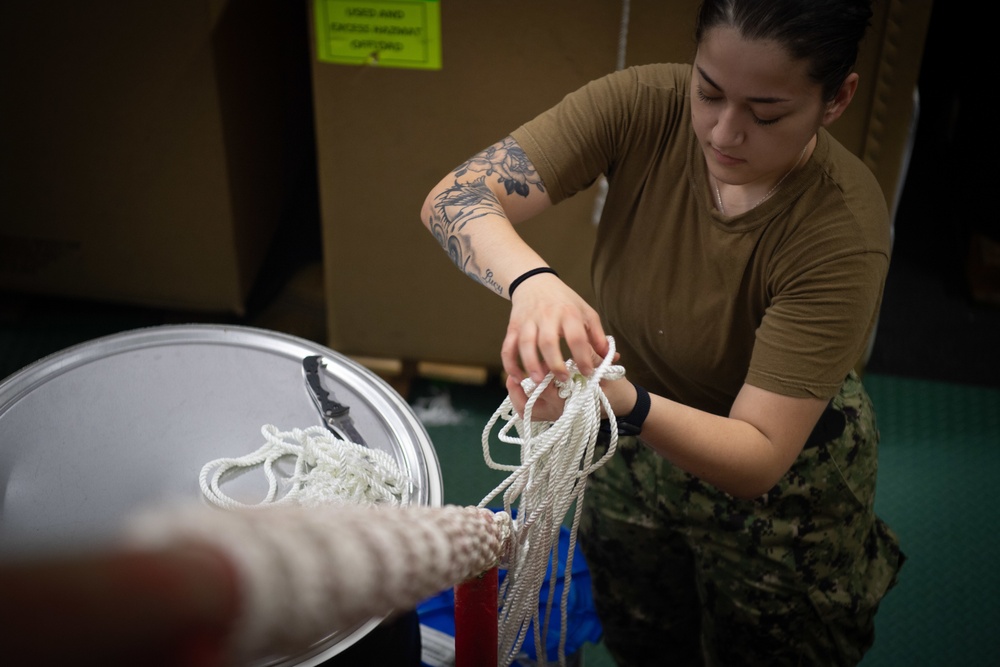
point(386, 33)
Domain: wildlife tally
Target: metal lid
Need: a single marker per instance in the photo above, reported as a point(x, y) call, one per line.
point(92, 433)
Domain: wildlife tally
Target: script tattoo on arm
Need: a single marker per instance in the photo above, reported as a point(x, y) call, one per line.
point(470, 199)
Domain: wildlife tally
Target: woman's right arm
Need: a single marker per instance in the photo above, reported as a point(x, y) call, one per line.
point(471, 213)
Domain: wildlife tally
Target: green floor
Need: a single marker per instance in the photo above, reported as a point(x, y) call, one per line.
point(940, 455)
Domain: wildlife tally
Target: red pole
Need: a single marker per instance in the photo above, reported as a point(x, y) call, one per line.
point(476, 631)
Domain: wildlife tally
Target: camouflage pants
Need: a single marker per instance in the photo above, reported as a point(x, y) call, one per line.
point(684, 574)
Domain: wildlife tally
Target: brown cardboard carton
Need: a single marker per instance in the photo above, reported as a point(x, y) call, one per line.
point(385, 136)
point(146, 150)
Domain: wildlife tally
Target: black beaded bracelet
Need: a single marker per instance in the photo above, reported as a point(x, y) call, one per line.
point(631, 424)
point(527, 274)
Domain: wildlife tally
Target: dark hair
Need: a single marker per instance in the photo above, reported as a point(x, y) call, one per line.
point(826, 33)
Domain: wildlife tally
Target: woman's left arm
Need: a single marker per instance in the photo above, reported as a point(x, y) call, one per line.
point(743, 454)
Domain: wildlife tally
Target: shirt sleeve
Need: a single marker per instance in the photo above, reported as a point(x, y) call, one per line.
point(590, 129)
point(825, 289)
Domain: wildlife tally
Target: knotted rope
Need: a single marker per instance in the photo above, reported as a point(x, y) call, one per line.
point(327, 469)
point(302, 574)
point(360, 550)
point(556, 460)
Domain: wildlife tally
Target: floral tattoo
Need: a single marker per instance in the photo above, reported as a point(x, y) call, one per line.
point(470, 199)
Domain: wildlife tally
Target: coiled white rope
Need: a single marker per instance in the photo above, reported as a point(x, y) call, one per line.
point(361, 551)
point(327, 469)
point(556, 460)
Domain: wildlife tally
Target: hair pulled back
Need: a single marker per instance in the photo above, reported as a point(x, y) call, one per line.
point(825, 33)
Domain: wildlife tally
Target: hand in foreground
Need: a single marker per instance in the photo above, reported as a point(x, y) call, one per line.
point(544, 312)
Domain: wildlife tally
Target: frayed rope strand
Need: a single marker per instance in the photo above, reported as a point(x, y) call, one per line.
point(327, 470)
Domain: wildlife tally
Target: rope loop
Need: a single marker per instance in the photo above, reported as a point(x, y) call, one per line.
point(556, 459)
point(281, 564)
point(327, 469)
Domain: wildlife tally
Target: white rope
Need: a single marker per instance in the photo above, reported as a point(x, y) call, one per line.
point(327, 470)
point(360, 551)
point(556, 459)
point(304, 574)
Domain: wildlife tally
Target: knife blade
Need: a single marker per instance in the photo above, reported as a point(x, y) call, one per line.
point(335, 415)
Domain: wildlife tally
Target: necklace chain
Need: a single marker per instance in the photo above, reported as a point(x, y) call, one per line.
point(718, 195)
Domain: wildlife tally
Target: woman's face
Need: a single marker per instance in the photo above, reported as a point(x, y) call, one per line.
point(754, 109)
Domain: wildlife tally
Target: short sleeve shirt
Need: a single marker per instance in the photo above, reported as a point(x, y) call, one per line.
point(783, 297)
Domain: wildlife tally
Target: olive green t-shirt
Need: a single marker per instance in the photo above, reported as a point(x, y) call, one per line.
point(783, 297)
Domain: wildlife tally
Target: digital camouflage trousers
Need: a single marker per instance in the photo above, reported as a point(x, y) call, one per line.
point(684, 574)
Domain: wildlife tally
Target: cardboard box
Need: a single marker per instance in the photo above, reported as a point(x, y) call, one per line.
point(385, 136)
point(147, 150)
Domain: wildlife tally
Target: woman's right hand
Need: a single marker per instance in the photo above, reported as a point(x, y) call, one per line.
point(471, 212)
point(544, 312)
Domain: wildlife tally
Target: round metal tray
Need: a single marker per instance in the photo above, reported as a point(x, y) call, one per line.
point(92, 433)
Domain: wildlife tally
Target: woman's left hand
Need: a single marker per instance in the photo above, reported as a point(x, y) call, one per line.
point(548, 407)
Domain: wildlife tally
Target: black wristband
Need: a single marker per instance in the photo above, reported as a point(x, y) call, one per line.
point(527, 274)
point(631, 424)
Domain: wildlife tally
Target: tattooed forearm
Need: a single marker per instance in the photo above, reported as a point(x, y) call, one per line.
point(471, 199)
point(453, 211)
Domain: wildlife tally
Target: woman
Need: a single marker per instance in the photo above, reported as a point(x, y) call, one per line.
point(739, 265)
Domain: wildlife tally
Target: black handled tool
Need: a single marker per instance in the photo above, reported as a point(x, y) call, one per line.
point(336, 416)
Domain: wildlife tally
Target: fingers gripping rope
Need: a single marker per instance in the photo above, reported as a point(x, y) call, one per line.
point(556, 459)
